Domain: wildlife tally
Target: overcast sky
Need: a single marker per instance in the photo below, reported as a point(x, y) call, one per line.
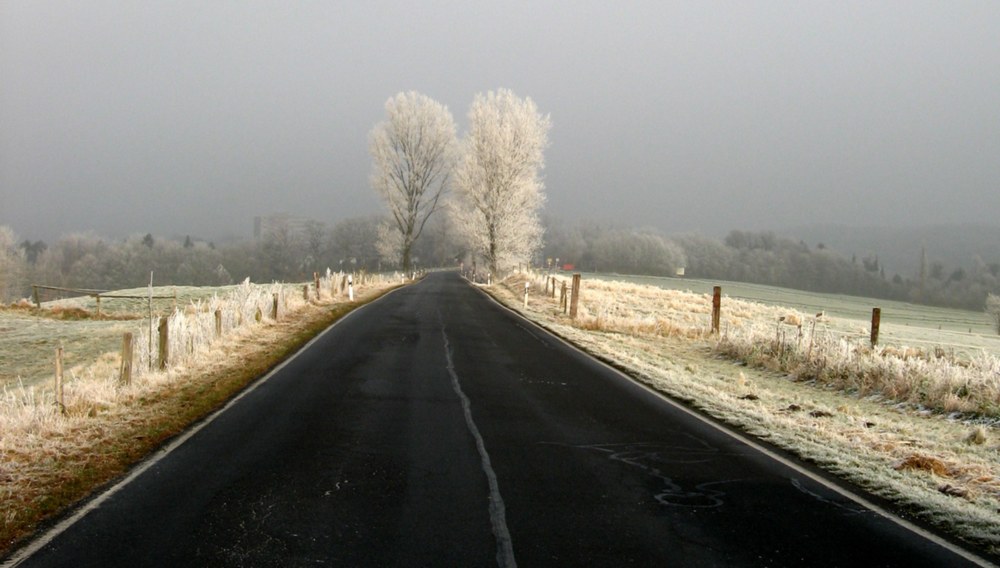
point(193, 117)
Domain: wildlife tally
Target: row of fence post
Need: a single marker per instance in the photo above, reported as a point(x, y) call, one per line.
point(163, 344)
point(163, 335)
point(570, 302)
point(717, 311)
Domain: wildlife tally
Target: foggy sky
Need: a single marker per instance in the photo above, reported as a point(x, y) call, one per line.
point(193, 117)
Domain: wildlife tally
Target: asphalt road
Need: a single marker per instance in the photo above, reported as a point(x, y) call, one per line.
point(434, 428)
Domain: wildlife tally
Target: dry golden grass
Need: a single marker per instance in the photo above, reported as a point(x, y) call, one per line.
point(939, 467)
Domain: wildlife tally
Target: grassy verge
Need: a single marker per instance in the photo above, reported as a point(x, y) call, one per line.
point(935, 468)
point(60, 460)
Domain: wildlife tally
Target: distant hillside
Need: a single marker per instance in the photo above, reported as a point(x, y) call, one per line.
point(898, 248)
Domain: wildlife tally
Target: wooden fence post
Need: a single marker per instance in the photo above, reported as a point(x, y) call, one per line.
point(316, 281)
point(59, 380)
point(218, 322)
point(274, 306)
point(527, 285)
point(716, 308)
point(575, 299)
point(164, 344)
point(563, 304)
point(876, 320)
point(34, 292)
point(125, 373)
point(305, 292)
point(97, 299)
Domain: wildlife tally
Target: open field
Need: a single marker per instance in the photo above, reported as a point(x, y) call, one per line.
point(912, 438)
point(29, 338)
point(902, 324)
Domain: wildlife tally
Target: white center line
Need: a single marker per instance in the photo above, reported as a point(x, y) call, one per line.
point(505, 549)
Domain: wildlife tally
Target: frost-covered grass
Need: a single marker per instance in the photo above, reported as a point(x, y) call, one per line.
point(28, 344)
point(962, 331)
point(29, 337)
point(49, 458)
point(864, 414)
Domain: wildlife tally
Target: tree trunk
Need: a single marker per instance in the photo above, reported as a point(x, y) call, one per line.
point(407, 249)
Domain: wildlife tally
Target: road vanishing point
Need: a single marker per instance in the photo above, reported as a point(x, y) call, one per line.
point(434, 427)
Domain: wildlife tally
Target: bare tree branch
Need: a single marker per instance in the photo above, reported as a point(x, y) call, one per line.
point(413, 151)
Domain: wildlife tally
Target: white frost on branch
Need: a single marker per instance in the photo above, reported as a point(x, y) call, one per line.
point(413, 151)
point(497, 183)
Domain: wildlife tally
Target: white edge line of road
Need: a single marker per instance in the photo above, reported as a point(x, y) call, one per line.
point(971, 557)
point(48, 536)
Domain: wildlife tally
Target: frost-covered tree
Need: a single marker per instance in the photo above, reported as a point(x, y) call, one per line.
point(497, 182)
point(413, 152)
point(993, 308)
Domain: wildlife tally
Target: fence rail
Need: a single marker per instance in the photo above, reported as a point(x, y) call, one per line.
point(96, 294)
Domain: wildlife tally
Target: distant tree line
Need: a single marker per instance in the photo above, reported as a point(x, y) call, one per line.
point(765, 258)
point(280, 254)
point(283, 254)
point(589, 246)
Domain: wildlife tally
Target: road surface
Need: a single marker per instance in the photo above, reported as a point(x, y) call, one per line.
point(435, 428)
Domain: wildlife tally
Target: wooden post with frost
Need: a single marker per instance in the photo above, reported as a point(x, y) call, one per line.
point(562, 298)
point(876, 320)
point(164, 344)
point(125, 373)
point(305, 292)
point(716, 308)
point(526, 286)
point(59, 380)
point(274, 306)
point(575, 298)
point(218, 322)
point(319, 294)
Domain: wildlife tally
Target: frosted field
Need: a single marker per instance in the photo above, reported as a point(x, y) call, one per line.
point(28, 343)
point(963, 332)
